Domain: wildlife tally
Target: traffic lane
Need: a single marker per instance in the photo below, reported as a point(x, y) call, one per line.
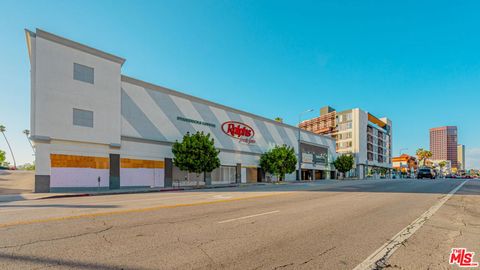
point(343, 186)
point(455, 225)
point(51, 208)
point(311, 230)
point(18, 212)
point(44, 212)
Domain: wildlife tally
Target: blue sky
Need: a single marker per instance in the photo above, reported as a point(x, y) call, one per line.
point(416, 63)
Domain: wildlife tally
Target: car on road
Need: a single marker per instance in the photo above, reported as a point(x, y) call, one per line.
point(426, 173)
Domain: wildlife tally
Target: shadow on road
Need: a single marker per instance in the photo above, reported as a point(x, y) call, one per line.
point(17, 259)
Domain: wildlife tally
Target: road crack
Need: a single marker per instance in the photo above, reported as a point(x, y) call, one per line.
point(283, 266)
point(319, 255)
point(56, 239)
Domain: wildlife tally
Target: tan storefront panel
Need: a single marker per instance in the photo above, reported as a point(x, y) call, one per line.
point(141, 163)
point(252, 175)
point(72, 161)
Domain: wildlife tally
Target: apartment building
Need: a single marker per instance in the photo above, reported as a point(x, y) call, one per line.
point(356, 132)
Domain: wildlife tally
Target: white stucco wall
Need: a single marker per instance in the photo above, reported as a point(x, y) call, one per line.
point(56, 93)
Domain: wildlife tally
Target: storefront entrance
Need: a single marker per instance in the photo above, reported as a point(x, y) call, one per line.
point(307, 174)
point(224, 175)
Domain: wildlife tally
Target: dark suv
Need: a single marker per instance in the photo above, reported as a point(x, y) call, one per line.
point(425, 173)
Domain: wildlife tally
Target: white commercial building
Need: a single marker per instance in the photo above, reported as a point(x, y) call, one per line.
point(446, 169)
point(96, 128)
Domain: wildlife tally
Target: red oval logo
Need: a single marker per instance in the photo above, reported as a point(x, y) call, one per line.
point(238, 130)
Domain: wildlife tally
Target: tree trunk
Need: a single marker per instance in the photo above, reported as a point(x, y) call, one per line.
point(11, 152)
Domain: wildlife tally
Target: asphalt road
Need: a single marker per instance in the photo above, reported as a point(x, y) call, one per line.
point(321, 225)
point(15, 182)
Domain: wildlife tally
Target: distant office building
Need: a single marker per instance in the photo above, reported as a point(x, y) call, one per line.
point(461, 157)
point(359, 133)
point(443, 144)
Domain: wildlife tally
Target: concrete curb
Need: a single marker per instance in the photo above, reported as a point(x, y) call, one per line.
point(106, 193)
point(135, 191)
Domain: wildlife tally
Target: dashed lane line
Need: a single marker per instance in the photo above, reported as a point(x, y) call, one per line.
point(250, 216)
point(136, 210)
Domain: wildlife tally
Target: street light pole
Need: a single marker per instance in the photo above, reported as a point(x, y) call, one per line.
point(27, 134)
point(299, 172)
point(401, 151)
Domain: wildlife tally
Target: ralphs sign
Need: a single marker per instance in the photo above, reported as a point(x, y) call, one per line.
point(240, 131)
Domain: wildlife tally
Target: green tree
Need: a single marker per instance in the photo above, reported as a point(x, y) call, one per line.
point(279, 119)
point(27, 167)
point(279, 161)
point(442, 165)
point(344, 163)
point(383, 171)
point(423, 155)
point(2, 130)
point(196, 154)
point(2, 157)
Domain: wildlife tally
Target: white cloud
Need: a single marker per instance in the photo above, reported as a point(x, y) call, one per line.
point(472, 157)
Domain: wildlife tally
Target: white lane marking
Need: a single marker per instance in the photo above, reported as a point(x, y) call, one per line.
point(378, 258)
point(251, 216)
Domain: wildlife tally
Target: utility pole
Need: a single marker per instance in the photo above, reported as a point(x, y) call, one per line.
point(299, 172)
point(2, 130)
point(401, 151)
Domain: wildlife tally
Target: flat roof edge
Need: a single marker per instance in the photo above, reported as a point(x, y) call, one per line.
point(75, 45)
point(151, 86)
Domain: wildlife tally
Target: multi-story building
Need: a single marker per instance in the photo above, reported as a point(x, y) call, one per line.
point(357, 132)
point(405, 163)
point(443, 144)
point(461, 157)
point(94, 127)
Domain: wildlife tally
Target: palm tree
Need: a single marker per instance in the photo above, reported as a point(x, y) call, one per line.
point(27, 133)
point(3, 129)
point(423, 154)
point(442, 164)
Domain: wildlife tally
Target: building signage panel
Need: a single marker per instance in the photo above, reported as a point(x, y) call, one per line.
point(193, 121)
point(321, 158)
point(314, 154)
point(307, 158)
point(243, 132)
